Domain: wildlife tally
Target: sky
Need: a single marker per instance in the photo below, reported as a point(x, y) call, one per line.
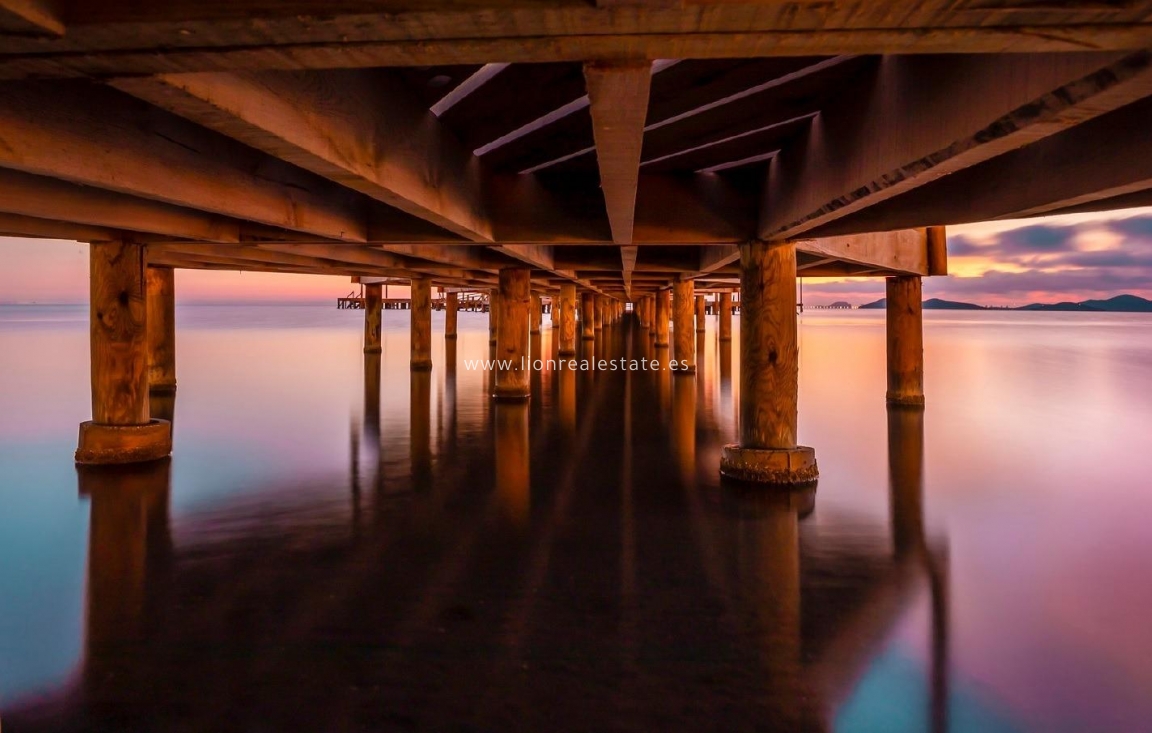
point(1006, 263)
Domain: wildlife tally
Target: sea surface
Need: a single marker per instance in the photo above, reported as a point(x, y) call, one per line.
point(338, 544)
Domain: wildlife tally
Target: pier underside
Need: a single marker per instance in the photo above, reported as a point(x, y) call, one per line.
point(598, 152)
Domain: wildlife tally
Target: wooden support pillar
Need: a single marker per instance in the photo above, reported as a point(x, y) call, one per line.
point(699, 314)
point(373, 305)
point(769, 372)
point(599, 307)
point(649, 312)
point(567, 318)
point(160, 294)
point(493, 314)
point(121, 429)
point(421, 324)
point(513, 382)
point(451, 306)
point(724, 305)
point(683, 333)
point(536, 316)
point(905, 341)
point(588, 316)
point(663, 306)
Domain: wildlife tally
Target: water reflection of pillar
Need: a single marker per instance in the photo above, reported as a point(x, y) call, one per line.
point(128, 539)
point(566, 388)
point(684, 427)
point(724, 357)
point(372, 396)
point(906, 508)
point(662, 314)
point(768, 557)
point(373, 303)
point(420, 430)
point(512, 467)
point(450, 390)
point(663, 379)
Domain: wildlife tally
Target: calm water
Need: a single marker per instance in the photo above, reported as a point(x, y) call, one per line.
point(323, 555)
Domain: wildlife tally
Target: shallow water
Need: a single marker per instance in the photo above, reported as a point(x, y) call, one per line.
point(317, 556)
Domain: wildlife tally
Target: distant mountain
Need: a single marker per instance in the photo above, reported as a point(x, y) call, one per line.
point(1119, 304)
point(930, 304)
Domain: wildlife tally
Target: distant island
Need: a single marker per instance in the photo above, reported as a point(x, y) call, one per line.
point(1119, 304)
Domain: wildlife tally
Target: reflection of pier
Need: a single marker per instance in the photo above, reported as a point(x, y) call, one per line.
point(575, 551)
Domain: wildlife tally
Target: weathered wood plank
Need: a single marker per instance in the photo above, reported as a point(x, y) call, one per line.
point(363, 129)
point(618, 98)
point(51, 198)
point(920, 118)
point(18, 225)
point(101, 138)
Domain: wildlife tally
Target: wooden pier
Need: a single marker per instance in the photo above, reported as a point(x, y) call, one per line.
point(706, 147)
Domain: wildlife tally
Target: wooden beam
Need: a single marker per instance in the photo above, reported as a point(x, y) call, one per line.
point(17, 225)
point(920, 118)
point(51, 198)
point(627, 265)
point(360, 128)
point(186, 36)
point(1073, 170)
point(30, 18)
point(903, 251)
point(101, 138)
point(618, 99)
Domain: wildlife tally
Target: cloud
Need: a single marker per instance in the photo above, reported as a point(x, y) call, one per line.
point(1044, 261)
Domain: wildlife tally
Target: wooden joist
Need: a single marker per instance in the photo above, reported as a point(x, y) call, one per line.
point(183, 36)
point(53, 199)
point(618, 98)
point(362, 129)
point(920, 118)
point(101, 138)
point(35, 18)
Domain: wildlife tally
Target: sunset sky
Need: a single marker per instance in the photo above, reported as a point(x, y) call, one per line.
point(1073, 257)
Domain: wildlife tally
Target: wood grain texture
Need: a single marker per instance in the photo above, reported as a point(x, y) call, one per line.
point(905, 331)
point(53, 199)
point(373, 306)
point(769, 358)
point(118, 334)
point(536, 315)
point(101, 138)
point(683, 325)
point(451, 308)
point(662, 314)
point(421, 323)
point(362, 129)
point(724, 307)
point(700, 314)
point(618, 102)
point(160, 295)
point(588, 316)
point(875, 143)
point(493, 314)
point(513, 380)
point(567, 308)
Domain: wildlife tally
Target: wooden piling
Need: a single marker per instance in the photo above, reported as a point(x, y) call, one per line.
point(588, 316)
point(121, 429)
point(683, 333)
point(600, 306)
point(160, 295)
point(373, 305)
point(493, 314)
point(905, 341)
point(769, 372)
point(663, 305)
point(512, 381)
point(421, 323)
point(700, 314)
point(451, 306)
point(724, 305)
point(567, 317)
point(536, 315)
